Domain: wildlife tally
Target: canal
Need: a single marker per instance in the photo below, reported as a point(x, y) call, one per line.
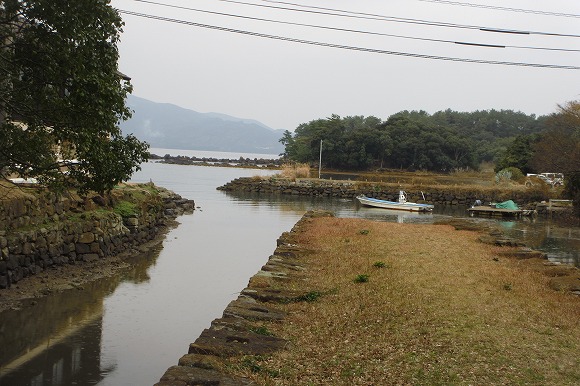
point(128, 329)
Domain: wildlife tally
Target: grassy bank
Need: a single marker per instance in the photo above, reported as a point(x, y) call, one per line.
point(417, 304)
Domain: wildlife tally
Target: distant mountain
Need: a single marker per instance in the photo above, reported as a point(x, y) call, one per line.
point(168, 126)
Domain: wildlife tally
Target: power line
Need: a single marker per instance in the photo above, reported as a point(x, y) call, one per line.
point(536, 12)
point(352, 48)
point(372, 16)
point(357, 31)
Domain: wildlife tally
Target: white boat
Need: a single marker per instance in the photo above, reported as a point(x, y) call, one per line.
point(402, 204)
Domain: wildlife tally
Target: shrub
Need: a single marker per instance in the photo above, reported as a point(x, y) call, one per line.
point(510, 174)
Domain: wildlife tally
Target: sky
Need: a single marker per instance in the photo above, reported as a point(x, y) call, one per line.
point(283, 83)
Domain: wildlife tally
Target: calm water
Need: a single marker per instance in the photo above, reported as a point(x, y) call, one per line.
point(128, 330)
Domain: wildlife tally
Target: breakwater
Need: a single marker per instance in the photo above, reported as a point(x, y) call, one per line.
point(438, 195)
point(40, 230)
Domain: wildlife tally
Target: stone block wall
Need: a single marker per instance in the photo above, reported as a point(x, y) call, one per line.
point(430, 194)
point(45, 230)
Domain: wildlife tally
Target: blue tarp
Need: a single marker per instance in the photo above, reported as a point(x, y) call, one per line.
point(509, 204)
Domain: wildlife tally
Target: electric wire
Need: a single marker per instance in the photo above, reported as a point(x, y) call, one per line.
point(371, 16)
point(358, 31)
point(345, 47)
point(495, 7)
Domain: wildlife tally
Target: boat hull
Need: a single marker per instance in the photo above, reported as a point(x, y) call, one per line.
point(384, 204)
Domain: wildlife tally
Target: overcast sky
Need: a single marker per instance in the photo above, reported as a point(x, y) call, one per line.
point(285, 83)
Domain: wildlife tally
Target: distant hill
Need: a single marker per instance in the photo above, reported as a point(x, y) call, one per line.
point(168, 126)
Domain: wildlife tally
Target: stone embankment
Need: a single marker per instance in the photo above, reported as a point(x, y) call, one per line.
point(39, 230)
point(444, 195)
point(238, 331)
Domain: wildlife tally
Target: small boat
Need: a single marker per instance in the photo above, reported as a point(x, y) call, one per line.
point(402, 204)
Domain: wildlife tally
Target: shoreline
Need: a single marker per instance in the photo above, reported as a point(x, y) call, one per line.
point(88, 239)
point(239, 347)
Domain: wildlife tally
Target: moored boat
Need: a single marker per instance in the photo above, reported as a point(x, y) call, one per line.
point(402, 204)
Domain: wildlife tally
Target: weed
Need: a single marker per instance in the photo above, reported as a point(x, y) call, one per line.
point(380, 264)
point(262, 330)
point(309, 297)
point(507, 286)
point(364, 232)
point(252, 363)
point(362, 278)
point(351, 371)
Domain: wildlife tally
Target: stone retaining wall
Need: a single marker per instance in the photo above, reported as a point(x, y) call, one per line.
point(38, 231)
point(237, 332)
point(433, 195)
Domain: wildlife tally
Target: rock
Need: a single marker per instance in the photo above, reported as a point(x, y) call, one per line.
point(226, 343)
point(86, 238)
point(185, 376)
point(248, 308)
point(208, 362)
point(81, 248)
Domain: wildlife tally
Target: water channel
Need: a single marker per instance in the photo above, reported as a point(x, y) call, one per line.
point(128, 330)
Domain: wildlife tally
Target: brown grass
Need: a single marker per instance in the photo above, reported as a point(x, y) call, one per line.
point(441, 311)
point(293, 171)
point(10, 191)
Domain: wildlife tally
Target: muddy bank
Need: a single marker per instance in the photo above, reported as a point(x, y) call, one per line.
point(53, 243)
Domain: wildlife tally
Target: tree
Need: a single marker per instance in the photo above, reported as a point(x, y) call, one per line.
point(62, 96)
point(558, 149)
point(519, 154)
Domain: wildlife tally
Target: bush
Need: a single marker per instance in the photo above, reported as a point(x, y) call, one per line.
point(510, 174)
point(572, 190)
point(517, 174)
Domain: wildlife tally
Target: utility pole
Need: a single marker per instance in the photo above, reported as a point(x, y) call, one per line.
point(320, 160)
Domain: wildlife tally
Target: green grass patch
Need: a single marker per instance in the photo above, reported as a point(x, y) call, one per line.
point(380, 264)
point(311, 296)
point(126, 209)
point(261, 330)
point(362, 278)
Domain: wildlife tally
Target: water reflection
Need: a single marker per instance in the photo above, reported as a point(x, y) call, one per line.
point(56, 340)
point(106, 333)
point(560, 243)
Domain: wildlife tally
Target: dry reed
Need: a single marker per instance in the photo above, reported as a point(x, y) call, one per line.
point(295, 170)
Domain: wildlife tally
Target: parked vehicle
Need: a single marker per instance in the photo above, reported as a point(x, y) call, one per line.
point(553, 179)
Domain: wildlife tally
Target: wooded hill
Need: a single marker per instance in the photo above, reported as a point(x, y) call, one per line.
point(413, 140)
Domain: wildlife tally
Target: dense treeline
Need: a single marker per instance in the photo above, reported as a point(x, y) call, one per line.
point(413, 140)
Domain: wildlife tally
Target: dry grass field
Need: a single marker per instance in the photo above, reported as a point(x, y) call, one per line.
point(401, 304)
